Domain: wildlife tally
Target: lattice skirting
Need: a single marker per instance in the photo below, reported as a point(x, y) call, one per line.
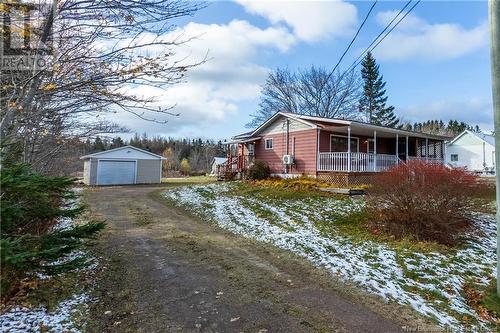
point(347, 180)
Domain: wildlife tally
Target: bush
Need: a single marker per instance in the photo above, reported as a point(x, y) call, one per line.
point(32, 206)
point(423, 201)
point(302, 183)
point(259, 170)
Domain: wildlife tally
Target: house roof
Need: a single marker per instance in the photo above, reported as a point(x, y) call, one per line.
point(321, 122)
point(121, 148)
point(488, 138)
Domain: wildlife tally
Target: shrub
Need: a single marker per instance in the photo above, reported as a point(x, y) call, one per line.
point(185, 166)
point(423, 201)
point(259, 170)
point(302, 183)
point(32, 206)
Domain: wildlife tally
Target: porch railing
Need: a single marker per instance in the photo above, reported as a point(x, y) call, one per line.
point(359, 162)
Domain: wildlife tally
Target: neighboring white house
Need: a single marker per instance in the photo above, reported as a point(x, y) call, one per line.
point(124, 165)
point(217, 163)
point(474, 151)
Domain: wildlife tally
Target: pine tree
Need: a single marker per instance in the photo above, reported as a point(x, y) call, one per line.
point(31, 206)
point(373, 101)
point(98, 144)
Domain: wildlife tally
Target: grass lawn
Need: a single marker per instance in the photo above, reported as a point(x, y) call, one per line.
point(189, 180)
point(330, 232)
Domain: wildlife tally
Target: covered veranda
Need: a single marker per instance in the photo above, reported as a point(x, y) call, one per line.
point(374, 148)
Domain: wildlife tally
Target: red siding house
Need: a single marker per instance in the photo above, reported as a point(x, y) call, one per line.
point(293, 144)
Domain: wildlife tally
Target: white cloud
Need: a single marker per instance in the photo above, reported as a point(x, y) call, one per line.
point(213, 90)
point(309, 20)
point(474, 111)
point(416, 38)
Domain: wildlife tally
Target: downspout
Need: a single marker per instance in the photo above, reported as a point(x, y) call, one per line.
point(317, 150)
point(287, 141)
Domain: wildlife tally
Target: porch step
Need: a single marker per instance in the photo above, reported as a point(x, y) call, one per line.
point(346, 191)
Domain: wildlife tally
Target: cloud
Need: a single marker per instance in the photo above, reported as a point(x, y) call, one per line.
point(414, 38)
point(212, 90)
point(474, 111)
point(310, 21)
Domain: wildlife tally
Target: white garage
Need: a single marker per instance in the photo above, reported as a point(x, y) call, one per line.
point(121, 166)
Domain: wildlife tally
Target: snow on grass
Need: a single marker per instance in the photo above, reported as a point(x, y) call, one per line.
point(40, 319)
point(429, 282)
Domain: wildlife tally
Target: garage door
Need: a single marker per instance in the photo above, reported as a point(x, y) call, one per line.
point(115, 172)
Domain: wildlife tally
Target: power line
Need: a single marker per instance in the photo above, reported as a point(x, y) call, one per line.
point(354, 38)
point(401, 19)
point(376, 41)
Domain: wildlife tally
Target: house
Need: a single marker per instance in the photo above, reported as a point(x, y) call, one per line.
point(218, 163)
point(124, 165)
point(338, 150)
point(473, 151)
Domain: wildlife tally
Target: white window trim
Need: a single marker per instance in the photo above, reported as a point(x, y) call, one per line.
point(265, 144)
point(345, 136)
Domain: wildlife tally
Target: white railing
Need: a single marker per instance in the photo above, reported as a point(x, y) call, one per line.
point(359, 162)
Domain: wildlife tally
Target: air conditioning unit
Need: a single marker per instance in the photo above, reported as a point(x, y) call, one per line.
point(288, 159)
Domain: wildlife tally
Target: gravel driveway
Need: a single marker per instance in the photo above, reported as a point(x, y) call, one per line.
point(166, 271)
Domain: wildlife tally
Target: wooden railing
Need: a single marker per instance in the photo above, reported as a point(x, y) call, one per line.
point(359, 162)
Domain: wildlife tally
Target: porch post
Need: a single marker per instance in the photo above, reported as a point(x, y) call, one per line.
point(375, 151)
point(443, 152)
point(348, 148)
point(397, 147)
point(406, 148)
point(426, 149)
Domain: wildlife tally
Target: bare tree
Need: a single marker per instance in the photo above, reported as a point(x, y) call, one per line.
point(101, 54)
point(314, 91)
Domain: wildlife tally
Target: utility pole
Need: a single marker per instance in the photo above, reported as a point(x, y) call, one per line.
point(494, 18)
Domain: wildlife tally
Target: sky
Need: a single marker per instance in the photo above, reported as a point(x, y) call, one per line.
point(436, 62)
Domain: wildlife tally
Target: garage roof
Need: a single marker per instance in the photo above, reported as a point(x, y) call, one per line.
point(128, 149)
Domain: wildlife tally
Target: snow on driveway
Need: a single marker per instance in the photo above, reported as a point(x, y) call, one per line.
point(430, 282)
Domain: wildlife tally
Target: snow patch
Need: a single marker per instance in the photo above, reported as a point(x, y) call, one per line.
point(404, 276)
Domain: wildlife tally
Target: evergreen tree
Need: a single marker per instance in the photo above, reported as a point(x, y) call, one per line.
point(98, 144)
point(117, 143)
point(373, 101)
point(30, 241)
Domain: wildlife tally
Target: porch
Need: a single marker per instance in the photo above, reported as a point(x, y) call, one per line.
point(358, 148)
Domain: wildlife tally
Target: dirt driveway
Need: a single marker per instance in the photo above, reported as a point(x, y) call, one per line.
point(166, 271)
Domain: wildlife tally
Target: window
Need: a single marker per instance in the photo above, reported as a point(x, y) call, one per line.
point(251, 149)
point(269, 143)
point(454, 157)
point(338, 143)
